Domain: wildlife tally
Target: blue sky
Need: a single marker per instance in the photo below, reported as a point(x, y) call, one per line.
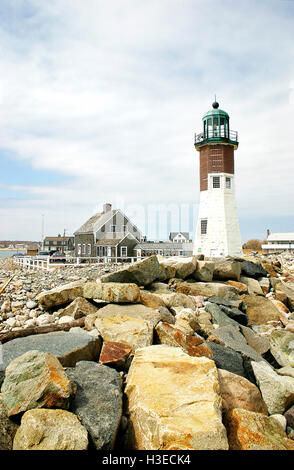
point(99, 102)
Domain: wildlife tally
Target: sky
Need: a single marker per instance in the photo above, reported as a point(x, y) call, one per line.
point(99, 102)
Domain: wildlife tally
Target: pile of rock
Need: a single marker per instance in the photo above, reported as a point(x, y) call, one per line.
point(174, 353)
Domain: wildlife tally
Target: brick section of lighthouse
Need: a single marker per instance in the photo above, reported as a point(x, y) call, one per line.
point(215, 159)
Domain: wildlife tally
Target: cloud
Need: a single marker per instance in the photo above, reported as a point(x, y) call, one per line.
point(111, 94)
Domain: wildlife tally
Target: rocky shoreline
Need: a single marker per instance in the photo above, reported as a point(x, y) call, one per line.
point(170, 354)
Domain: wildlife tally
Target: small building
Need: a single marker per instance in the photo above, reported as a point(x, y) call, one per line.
point(164, 248)
point(279, 243)
point(179, 237)
point(108, 233)
point(59, 243)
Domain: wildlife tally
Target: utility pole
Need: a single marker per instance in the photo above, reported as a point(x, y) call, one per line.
point(64, 230)
point(42, 235)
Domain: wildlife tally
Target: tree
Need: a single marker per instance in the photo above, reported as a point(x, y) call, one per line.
point(253, 244)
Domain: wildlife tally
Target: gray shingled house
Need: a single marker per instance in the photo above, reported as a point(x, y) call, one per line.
point(109, 233)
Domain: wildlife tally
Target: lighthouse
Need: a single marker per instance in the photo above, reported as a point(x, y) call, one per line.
point(217, 231)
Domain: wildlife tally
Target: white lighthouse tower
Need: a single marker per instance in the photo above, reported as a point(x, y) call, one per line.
point(217, 231)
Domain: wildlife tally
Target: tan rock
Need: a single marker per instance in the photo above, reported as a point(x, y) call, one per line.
point(260, 310)
point(173, 401)
point(255, 431)
point(261, 344)
point(192, 345)
point(227, 270)
point(50, 430)
point(151, 300)
point(178, 300)
point(184, 266)
point(112, 291)
point(79, 308)
point(120, 328)
point(238, 392)
point(265, 284)
point(252, 285)
point(207, 289)
point(242, 288)
point(61, 295)
point(280, 306)
point(190, 316)
point(204, 271)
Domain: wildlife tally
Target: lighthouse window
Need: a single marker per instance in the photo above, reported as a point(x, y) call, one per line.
point(228, 183)
point(216, 181)
point(203, 226)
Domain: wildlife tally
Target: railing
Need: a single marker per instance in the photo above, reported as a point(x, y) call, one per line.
point(37, 263)
point(216, 134)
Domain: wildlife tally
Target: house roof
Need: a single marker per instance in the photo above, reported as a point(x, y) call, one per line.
point(108, 242)
point(174, 234)
point(281, 236)
point(57, 238)
point(96, 221)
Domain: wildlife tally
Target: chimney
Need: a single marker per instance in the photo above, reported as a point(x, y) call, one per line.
point(106, 207)
point(267, 233)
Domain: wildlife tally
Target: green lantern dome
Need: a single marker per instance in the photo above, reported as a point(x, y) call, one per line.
point(216, 128)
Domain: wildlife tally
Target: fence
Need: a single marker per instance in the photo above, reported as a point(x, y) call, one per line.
point(45, 263)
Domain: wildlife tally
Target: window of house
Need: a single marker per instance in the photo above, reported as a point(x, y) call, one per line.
point(89, 248)
point(203, 226)
point(84, 248)
point(228, 183)
point(123, 251)
point(113, 228)
point(216, 182)
point(79, 249)
point(124, 228)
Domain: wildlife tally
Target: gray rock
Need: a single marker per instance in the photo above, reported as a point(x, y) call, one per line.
point(260, 344)
point(228, 359)
point(8, 428)
point(235, 314)
point(98, 401)
point(232, 338)
point(282, 347)
point(250, 269)
point(69, 348)
point(218, 316)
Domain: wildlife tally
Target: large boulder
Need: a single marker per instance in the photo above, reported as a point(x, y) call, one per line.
point(207, 289)
point(69, 348)
point(277, 390)
point(218, 316)
point(184, 266)
point(79, 308)
point(251, 269)
point(248, 430)
point(50, 430)
point(194, 345)
point(8, 428)
point(35, 380)
point(142, 272)
point(112, 291)
point(204, 271)
point(98, 401)
point(260, 310)
point(227, 270)
point(151, 300)
point(61, 295)
point(238, 392)
point(178, 300)
point(173, 401)
point(282, 347)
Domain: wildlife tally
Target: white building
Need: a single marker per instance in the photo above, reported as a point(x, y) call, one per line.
point(217, 231)
point(279, 243)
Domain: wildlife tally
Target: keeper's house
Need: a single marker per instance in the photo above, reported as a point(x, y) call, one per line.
point(279, 243)
point(109, 233)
